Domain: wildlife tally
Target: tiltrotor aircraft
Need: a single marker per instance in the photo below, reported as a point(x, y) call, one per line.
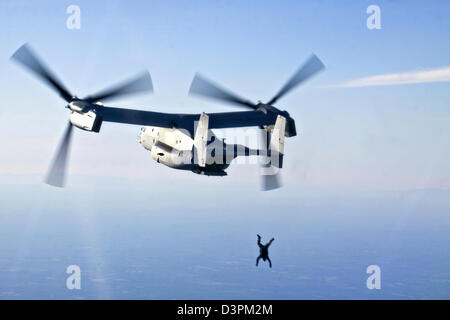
point(180, 141)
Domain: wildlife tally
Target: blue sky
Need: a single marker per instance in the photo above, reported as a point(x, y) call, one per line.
point(399, 133)
point(367, 176)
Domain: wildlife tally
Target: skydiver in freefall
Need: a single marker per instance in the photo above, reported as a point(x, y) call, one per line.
point(264, 251)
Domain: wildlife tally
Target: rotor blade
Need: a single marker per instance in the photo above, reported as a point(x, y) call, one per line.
point(270, 175)
point(25, 56)
point(310, 68)
point(141, 83)
point(203, 87)
point(56, 174)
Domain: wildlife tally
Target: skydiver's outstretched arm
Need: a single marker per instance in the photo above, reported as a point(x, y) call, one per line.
point(269, 243)
point(257, 260)
point(259, 241)
point(270, 262)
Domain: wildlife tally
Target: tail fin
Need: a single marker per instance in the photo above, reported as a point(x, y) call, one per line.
point(276, 145)
point(201, 139)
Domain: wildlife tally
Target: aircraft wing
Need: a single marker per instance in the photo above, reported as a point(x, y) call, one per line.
point(240, 119)
point(186, 121)
point(138, 117)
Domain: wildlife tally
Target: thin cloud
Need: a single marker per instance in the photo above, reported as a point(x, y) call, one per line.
point(433, 75)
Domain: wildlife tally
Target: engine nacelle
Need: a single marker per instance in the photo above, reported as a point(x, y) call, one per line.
point(88, 121)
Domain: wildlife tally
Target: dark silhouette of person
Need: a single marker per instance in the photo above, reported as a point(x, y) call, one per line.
point(264, 251)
